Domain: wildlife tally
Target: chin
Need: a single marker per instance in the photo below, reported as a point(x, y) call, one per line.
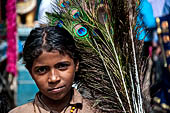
point(57, 97)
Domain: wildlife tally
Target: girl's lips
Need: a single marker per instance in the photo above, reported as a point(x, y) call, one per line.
point(56, 90)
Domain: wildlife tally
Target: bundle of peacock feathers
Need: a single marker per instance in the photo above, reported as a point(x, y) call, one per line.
point(111, 63)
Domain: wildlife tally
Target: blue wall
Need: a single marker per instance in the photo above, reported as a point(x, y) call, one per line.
point(26, 86)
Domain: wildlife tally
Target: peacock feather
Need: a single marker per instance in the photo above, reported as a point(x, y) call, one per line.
point(111, 63)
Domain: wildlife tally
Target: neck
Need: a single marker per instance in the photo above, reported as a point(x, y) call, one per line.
point(56, 105)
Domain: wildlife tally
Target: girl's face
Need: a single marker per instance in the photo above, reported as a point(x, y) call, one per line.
point(54, 74)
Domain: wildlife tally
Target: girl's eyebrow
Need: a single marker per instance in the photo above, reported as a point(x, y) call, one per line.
point(37, 67)
point(63, 62)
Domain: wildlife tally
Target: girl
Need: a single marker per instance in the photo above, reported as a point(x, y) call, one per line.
point(51, 57)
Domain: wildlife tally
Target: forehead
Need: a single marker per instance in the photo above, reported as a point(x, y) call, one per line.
point(51, 57)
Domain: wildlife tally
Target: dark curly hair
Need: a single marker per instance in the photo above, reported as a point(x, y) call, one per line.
point(48, 39)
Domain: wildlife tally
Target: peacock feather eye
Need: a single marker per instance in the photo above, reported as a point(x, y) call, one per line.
point(80, 31)
point(75, 13)
point(60, 23)
point(65, 4)
point(102, 14)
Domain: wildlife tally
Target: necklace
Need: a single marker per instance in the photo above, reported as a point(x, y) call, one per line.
point(73, 107)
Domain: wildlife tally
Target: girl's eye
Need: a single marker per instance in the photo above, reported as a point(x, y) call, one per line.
point(41, 70)
point(62, 66)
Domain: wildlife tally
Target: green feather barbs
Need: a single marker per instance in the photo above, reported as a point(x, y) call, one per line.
point(78, 29)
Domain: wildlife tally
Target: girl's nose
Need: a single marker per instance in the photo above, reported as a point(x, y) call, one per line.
point(53, 76)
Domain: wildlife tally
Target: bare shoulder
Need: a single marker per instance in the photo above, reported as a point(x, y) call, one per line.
point(26, 108)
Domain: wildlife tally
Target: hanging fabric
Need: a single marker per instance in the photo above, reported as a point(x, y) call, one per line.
point(11, 37)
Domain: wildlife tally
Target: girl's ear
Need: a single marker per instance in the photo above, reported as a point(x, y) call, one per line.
point(77, 66)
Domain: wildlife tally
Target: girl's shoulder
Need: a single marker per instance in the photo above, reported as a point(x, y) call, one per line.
point(25, 108)
point(83, 104)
